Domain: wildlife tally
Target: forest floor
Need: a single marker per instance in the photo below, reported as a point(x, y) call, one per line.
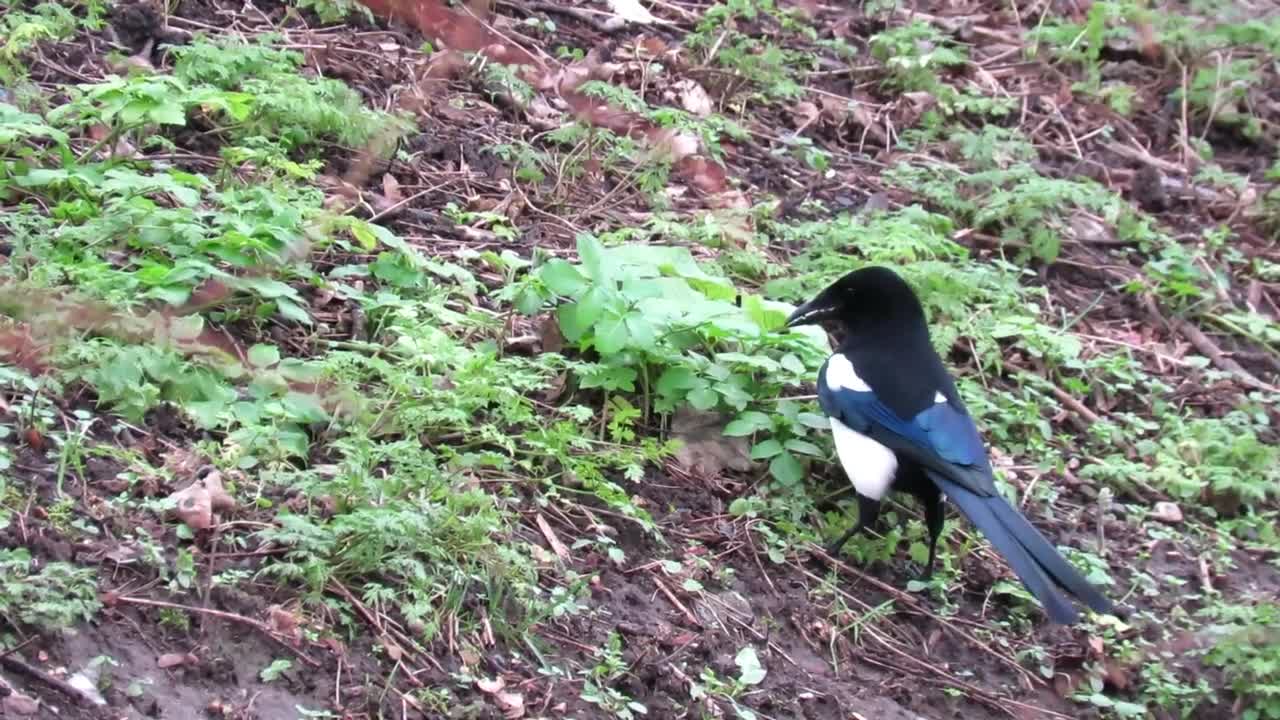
point(426, 361)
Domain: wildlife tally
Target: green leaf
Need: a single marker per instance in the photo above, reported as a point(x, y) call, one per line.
point(703, 398)
point(919, 553)
point(562, 278)
point(747, 423)
point(592, 254)
point(578, 317)
point(291, 310)
point(804, 447)
point(674, 379)
point(611, 335)
point(766, 449)
point(786, 469)
point(752, 673)
point(275, 669)
point(264, 356)
point(814, 421)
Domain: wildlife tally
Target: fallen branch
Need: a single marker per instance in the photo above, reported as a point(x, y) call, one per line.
point(1205, 345)
point(915, 602)
point(233, 617)
point(80, 697)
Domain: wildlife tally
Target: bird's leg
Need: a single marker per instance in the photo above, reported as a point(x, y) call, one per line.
point(933, 517)
point(868, 511)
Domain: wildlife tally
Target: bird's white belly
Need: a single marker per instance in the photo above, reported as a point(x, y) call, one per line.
point(869, 465)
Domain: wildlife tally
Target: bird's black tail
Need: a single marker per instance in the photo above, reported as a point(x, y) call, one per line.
point(1036, 562)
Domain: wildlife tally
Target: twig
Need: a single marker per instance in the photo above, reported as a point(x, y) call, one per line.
point(1196, 337)
point(676, 602)
point(553, 540)
point(1076, 406)
point(915, 603)
point(233, 617)
point(15, 665)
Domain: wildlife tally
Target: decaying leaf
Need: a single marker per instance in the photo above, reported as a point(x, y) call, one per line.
point(510, 703)
point(694, 98)
point(196, 504)
point(632, 11)
point(18, 704)
point(169, 660)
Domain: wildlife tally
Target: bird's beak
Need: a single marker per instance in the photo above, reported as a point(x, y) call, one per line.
point(808, 314)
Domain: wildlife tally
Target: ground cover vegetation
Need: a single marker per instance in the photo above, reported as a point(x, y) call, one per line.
point(414, 359)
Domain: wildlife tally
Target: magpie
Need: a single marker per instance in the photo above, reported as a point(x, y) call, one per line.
point(899, 424)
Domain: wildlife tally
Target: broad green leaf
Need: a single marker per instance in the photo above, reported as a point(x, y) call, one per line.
point(747, 423)
point(641, 333)
point(674, 379)
point(814, 421)
point(919, 553)
point(786, 469)
point(592, 254)
point(264, 356)
point(703, 398)
point(765, 450)
point(611, 334)
point(563, 278)
point(804, 447)
point(578, 317)
point(291, 310)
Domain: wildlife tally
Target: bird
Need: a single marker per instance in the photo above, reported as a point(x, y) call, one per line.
point(899, 424)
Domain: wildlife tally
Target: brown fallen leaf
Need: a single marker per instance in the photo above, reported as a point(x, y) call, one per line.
point(169, 660)
point(804, 114)
point(197, 503)
point(693, 98)
point(511, 704)
point(19, 704)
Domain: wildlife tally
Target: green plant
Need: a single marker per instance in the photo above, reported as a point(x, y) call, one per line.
point(1248, 651)
point(598, 688)
point(56, 596)
point(658, 320)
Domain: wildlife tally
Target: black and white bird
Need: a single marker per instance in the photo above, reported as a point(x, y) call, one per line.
point(899, 424)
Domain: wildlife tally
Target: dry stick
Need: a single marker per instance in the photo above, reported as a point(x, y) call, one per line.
point(915, 603)
point(257, 624)
point(553, 540)
point(688, 615)
point(1196, 337)
point(35, 673)
point(1075, 406)
point(981, 694)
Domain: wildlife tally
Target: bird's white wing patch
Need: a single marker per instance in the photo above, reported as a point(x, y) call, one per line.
point(840, 374)
point(939, 398)
point(869, 465)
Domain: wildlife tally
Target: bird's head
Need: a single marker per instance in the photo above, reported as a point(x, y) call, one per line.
point(867, 295)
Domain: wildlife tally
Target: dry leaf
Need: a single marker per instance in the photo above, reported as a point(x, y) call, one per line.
point(1167, 512)
point(694, 98)
point(194, 506)
point(490, 686)
point(282, 621)
point(632, 11)
point(511, 704)
point(169, 660)
point(19, 704)
point(804, 114)
point(391, 189)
